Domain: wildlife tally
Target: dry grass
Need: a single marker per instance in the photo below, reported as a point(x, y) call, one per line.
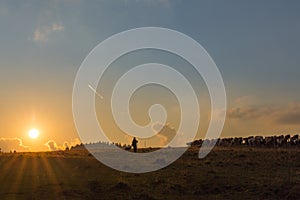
point(226, 173)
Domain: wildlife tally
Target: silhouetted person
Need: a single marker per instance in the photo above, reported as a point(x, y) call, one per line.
point(134, 144)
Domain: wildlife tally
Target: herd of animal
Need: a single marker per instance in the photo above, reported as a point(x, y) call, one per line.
point(260, 141)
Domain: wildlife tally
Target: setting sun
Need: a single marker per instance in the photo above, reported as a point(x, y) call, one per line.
point(33, 133)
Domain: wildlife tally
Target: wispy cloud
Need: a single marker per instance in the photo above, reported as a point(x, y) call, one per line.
point(290, 118)
point(290, 115)
point(71, 143)
point(42, 33)
point(13, 144)
point(250, 112)
point(53, 146)
point(284, 115)
point(164, 133)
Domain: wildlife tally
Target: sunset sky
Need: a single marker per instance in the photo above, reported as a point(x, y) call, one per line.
point(255, 45)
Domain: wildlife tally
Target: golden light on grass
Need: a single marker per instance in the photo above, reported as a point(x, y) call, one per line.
point(33, 133)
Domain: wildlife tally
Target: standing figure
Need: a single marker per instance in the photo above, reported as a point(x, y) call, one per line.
point(134, 144)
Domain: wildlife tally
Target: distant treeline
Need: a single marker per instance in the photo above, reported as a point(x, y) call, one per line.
point(261, 141)
point(100, 145)
point(251, 141)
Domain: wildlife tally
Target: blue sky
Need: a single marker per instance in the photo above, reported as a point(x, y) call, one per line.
point(255, 44)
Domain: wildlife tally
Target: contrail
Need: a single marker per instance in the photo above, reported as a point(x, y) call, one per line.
point(99, 95)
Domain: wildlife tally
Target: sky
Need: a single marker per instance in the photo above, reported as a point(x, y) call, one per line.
point(255, 45)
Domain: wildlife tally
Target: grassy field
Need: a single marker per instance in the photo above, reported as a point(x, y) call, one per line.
point(226, 173)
